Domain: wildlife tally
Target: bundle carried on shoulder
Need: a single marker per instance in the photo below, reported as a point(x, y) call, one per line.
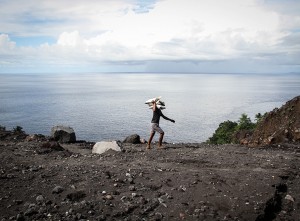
point(159, 103)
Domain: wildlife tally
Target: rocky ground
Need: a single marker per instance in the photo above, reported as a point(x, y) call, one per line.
point(41, 181)
point(277, 126)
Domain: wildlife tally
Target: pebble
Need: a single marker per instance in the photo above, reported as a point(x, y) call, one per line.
point(197, 211)
point(20, 217)
point(40, 199)
point(289, 197)
point(160, 200)
point(169, 196)
point(158, 216)
point(31, 205)
point(132, 188)
point(182, 188)
point(109, 197)
point(18, 202)
point(58, 189)
point(30, 211)
point(10, 176)
point(130, 180)
point(34, 169)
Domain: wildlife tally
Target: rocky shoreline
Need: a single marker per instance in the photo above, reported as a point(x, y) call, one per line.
point(40, 180)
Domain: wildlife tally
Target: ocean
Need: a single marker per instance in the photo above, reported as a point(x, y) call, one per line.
point(112, 106)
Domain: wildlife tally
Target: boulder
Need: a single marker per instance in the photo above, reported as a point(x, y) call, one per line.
point(63, 134)
point(103, 146)
point(133, 139)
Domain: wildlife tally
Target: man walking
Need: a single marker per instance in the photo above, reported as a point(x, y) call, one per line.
point(155, 125)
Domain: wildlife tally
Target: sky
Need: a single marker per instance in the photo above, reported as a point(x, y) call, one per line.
point(197, 36)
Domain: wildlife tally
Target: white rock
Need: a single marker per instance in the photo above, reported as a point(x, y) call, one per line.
point(103, 146)
point(290, 198)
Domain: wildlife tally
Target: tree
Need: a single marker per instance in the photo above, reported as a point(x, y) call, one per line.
point(245, 123)
point(227, 131)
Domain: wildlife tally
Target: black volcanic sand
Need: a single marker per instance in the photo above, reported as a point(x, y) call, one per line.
point(181, 182)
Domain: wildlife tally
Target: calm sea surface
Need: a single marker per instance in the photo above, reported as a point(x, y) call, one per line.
point(111, 106)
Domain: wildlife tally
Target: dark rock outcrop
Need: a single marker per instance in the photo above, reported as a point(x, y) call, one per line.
point(63, 134)
point(133, 139)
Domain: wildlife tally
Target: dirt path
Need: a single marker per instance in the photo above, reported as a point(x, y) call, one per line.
point(181, 182)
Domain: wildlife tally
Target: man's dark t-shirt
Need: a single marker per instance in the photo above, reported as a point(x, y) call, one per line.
point(156, 116)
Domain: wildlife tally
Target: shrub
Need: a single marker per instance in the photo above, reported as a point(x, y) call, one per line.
point(224, 132)
point(228, 130)
point(18, 129)
point(2, 128)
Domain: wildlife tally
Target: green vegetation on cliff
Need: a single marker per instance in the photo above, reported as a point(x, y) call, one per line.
point(228, 131)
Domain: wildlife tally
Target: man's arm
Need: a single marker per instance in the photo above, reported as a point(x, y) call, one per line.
point(166, 118)
point(154, 106)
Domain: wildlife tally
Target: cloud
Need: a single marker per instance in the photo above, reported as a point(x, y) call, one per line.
point(147, 33)
point(6, 44)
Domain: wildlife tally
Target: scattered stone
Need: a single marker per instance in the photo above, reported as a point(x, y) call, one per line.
point(182, 188)
point(40, 199)
point(130, 180)
point(34, 168)
point(30, 211)
point(158, 216)
point(31, 205)
point(63, 134)
point(79, 216)
point(20, 217)
point(18, 202)
point(58, 189)
point(161, 200)
point(109, 197)
point(289, 197)
point(48, 202)
point(132, 188)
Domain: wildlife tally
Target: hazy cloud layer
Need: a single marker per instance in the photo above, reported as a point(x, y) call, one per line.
point(166, 35)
